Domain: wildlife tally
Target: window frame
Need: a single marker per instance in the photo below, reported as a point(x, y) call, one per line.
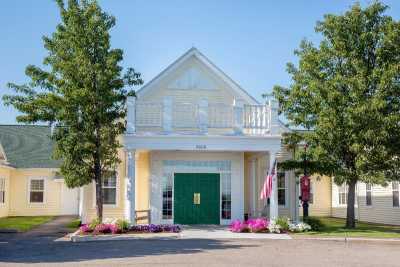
point(117, 188)
point(4, 190)
point(398, 194)
point(29, 190)
point(342, 187)
point(368, 194)
point(286, 188)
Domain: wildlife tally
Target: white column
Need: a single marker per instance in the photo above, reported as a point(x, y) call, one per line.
point(203, 115)
point(130, 187)
point(253, 187)
point(81, 207)
point(273, 201)
point(238, 116)
point(273, 105)
point(131, 115)
point(167, 114)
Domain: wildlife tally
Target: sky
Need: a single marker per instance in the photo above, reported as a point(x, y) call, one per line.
point(251, 41)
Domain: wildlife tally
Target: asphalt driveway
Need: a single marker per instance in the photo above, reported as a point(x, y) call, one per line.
point(43, 251)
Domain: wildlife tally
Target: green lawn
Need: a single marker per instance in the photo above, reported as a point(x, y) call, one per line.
point(334, 227)
point(23, 224)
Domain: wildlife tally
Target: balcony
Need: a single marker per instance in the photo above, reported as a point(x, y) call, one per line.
point(200, 118)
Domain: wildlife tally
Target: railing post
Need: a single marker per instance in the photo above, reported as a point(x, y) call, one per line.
point(131, 115)
point(238, 116)
point(203, 115)
point(273, 105)
point(167, 114)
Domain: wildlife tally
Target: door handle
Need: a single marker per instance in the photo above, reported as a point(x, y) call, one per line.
point(196, 198)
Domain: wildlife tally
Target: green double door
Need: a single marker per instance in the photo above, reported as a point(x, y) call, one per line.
point(196, 198)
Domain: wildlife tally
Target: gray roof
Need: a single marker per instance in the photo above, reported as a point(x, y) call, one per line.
point(28, 146)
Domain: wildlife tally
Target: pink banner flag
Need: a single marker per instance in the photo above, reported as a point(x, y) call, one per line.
point(267, 187)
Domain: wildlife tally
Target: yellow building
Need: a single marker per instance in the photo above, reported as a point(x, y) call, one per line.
point(29, 184)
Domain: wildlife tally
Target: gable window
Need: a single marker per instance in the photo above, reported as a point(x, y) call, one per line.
point(343, 194)
point(36, 191)
point(281, 189)
point(2, 190)
point(368, 194)
point(110, 190)
point(395, 190)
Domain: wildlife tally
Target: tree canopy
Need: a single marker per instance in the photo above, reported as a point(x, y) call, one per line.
point(346, 93)
point(82, 92)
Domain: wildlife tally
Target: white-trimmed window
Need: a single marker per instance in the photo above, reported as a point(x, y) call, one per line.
point(395, 190)
point(36, 190)
point(110, 190)
point(2, 190)
point(167, 185)
point(311, 200)
point(368, 194)
point(282, 188)
point(342, 190)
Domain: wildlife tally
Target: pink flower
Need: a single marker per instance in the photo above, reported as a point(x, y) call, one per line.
point(84, 229)
point(258, 225)
point(238, 227)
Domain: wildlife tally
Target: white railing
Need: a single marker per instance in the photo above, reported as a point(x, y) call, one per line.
point(256, 117)
point(246, 119)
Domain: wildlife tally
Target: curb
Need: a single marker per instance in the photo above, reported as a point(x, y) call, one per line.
point(352, 239)
point(75, 237)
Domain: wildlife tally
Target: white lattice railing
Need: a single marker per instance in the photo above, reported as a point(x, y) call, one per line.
point(256, 117)
point(253, 119)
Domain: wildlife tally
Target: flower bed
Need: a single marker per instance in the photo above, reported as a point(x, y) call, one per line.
point(263, 225)
point(116, 227)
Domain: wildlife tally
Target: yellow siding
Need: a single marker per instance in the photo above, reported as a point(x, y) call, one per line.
point(4, 207)
point(142, 190)
point(19, 197)
point(109, 211)
point(322, 196)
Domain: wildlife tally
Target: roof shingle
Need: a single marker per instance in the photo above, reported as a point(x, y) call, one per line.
point(28, 146)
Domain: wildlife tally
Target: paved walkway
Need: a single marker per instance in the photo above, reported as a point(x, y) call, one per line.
point(47, 231)
point(222, 232)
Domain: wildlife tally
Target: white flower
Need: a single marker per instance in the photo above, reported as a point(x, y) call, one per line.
point(273, 227)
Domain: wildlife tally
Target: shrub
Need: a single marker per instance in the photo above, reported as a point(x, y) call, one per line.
point(283, 223)
point(122, 225)
point(257, 225)
point(299, 227)
point(315, 223)
point(94, 223)
point(273, 227)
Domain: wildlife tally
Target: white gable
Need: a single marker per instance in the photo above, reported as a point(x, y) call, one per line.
point(202, 75)
point(192, 78)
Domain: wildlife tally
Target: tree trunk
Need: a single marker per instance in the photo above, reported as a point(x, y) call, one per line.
point(99, 183)
point(350, 218)
point(99, 200)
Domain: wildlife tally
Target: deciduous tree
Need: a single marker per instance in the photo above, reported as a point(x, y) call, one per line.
point(346, 91)
point(81, 91)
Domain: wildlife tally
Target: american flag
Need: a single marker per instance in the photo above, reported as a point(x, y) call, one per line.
point(267, 187)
